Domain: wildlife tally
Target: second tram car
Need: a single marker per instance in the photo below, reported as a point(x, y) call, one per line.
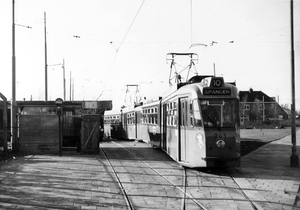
point(197, 125)
point(112, 124)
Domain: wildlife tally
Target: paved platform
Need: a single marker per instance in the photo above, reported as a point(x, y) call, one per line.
point(54, 182)
point(268, 169)
point(77, 182)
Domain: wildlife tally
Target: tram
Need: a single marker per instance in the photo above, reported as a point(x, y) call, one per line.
point(112, 124)
point(197, 125)
point(201, 125)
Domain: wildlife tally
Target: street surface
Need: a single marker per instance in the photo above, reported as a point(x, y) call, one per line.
point(133, 175)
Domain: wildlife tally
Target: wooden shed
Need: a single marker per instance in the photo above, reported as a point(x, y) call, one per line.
point(90, 133)
point(39, 134)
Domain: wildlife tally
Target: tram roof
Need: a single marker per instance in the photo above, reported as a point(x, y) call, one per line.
point(112, 112)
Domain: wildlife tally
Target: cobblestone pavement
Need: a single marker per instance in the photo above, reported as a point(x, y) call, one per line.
point(268, 170)
point(87, 182)
point(53, 182)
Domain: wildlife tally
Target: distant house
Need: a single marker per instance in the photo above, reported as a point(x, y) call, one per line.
point(257, 107)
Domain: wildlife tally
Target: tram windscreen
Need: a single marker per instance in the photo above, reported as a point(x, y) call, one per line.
point(219, 113)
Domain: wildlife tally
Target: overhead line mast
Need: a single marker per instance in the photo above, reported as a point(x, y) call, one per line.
point(46, 65)
point(294, 157)
point(13, 102)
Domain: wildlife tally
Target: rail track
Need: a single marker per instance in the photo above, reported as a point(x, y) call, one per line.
point(154, 184)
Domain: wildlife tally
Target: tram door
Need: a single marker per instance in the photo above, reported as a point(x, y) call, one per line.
point(164, 127)
point(182, 129)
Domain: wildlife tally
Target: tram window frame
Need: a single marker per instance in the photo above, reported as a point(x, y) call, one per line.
point(191, 114)
point(168, 115)
point(223, 115)
point(143, 117)
point(175, 113)
point(150, 116)
point(171, 114)
point(133, 118)
point(196, 119)
point(183, 113)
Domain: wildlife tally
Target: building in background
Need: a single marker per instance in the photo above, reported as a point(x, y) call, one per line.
point(258, 108)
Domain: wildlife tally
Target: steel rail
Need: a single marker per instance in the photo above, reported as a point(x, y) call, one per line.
point(253, 203)
point(126, 197)
point(183, 191)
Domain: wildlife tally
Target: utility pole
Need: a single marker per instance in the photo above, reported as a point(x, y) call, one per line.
point(46, 66)
point(64, 78)
point(294, 158)
point(70, 86)
point(13, 100)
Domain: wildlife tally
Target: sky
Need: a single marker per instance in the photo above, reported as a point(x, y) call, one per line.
point(109, 44)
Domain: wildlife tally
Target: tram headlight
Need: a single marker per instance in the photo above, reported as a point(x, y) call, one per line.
point(220, 144)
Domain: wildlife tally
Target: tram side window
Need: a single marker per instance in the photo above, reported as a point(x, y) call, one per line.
point(195, 116)
point(128, 118)
point(155, 116)
point(168, 115)
point(143, 116)
point(150, 116)
point(191, 115)
point(171, 114)
point(175, 113)
point(131, 118)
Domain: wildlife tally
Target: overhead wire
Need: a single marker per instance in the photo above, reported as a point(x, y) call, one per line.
point(191, 37)
point(261, 34)
point(131, 25)
point(117, 50)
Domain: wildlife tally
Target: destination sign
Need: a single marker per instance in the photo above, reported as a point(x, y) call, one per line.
point(210, 91)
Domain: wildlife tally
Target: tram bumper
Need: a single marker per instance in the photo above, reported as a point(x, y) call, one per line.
point(222, 162)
